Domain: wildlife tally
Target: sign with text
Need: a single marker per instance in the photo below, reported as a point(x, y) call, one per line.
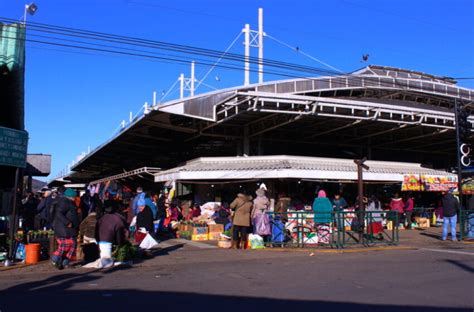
point(429, 183)
point(13, 147)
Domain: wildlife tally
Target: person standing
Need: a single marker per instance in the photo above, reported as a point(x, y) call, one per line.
point(339, 203)
point(242, 206)
point(450, 208)
point(409, 207)
point(322, 208)
point(43, 210)
point(397, 206)
point(65, 225)
point(260, 218)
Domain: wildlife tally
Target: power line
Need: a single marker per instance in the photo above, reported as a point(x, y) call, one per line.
point(77, 33)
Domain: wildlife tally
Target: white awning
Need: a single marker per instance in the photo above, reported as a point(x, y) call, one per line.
point(292, 167)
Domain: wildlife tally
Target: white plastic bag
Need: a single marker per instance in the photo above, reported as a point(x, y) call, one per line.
point(134, 221)
point(148, 242)
point(256, 241)
point(105, 250)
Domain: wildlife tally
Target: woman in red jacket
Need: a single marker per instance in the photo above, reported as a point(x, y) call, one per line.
point(397, 205)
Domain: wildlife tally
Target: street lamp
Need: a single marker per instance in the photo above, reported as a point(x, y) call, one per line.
point(29, 9)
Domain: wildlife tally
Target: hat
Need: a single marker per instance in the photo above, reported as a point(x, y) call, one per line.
point(141, 202)
point(321, 193)
point(70, 192)
point(260, 192)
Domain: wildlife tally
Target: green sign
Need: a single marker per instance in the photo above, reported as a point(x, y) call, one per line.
point(13, 147)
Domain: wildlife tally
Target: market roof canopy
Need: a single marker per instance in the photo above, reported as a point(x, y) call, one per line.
point(297, 167)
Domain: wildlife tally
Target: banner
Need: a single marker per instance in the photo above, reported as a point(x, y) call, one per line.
point(429, 183)
point(432, 183)
point(468, 186)
point(411, 182)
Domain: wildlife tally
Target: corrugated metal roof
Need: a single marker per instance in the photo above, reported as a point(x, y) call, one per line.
point(297, 163)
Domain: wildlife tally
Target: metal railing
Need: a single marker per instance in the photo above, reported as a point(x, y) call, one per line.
point(302, 229)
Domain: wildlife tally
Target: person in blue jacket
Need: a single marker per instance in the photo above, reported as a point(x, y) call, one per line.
point(322, 208)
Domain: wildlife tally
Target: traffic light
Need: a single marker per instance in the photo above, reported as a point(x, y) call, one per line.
point(464, 125)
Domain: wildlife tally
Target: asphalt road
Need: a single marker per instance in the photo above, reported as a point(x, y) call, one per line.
point(185, 278)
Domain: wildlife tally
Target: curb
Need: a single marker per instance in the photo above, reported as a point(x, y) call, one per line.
point(338, 251)
point(20, 266)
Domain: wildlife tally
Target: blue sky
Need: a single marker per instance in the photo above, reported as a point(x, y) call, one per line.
point(76, 100)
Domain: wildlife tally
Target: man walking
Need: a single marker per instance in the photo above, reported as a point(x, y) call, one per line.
point(450, 208)
point(65, 224)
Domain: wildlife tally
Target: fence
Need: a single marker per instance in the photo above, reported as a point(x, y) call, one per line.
point(301, 229)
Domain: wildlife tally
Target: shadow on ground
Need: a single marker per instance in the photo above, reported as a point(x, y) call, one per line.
point(61, 291)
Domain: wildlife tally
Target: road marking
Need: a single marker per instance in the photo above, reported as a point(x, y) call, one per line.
point(449, 251)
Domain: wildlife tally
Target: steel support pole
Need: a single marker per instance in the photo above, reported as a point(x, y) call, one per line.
point(181, 86)
point(13, 221)
point(246, 31)
point(260, 45)
point(458, 153)
point(193, 78)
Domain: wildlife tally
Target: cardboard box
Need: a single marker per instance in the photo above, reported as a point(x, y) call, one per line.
point(200, 230)
point(200, 237)
point(214, 235)
point(216, 228)
point(185, 227)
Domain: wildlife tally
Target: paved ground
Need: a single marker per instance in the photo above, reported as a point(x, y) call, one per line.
point(431, 276)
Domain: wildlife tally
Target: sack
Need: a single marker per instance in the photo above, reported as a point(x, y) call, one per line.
point(256, 241)
point(262, 224)
point(148, 242)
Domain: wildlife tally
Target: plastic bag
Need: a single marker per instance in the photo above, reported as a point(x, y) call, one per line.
point(262, 224)
point(148, 242)
point(20, 252)
point(256, 241)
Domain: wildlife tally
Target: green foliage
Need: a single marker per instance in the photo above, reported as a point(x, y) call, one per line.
point(125, 252)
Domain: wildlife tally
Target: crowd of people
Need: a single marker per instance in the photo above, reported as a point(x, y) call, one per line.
point(109, 218)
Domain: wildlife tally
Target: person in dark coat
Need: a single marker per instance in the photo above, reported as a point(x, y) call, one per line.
point(450, 208)
point(145, 216)
point(29, 211)
point(65, 226)
point(43, 210)
point(111, 227)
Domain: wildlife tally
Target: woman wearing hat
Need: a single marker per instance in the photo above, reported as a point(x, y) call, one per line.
point(260, 219)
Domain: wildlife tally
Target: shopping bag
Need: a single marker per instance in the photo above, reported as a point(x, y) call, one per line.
point(148, 242)
point(262, 224)
point(256, 241)
point(139, 236)
point(20, 252)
